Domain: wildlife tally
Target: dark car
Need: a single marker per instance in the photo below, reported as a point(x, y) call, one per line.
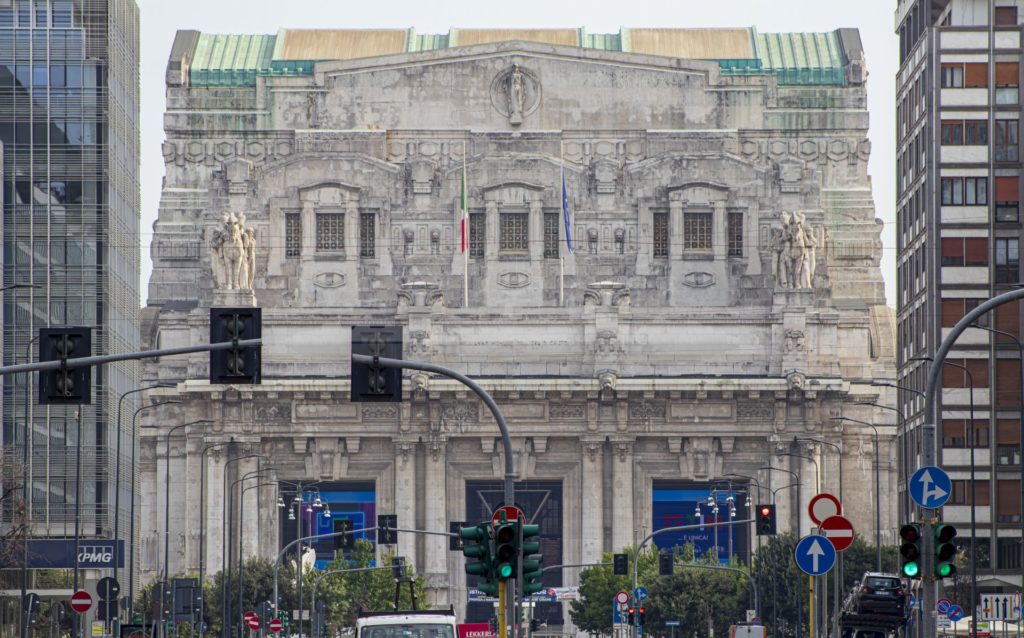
point(881, 594)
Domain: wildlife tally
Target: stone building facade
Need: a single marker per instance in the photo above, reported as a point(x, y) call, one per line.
point(722, 304)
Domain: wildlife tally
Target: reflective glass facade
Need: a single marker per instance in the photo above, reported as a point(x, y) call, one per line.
point(69, 110)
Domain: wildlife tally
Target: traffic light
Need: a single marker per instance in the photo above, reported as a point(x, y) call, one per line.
point(375, 383)
point(454, 538)
point(386, 532)
point(283, 617)
point(398, 568)
point(641, 614)
point(476, 546)
point(506, 550)
point(529, 553)
point(347, 541)
point(236, 364)
point(910, 551)
point(631, 616)
point(766, 520)
point(620, 565)
point(666, 563)
point(534, 624)
point(65, 386)
point(945, 550)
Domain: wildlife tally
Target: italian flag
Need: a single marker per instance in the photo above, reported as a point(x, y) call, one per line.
point(464, 208)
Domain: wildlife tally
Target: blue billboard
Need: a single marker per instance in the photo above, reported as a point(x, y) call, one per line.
point(678, 504)
point(59, 553)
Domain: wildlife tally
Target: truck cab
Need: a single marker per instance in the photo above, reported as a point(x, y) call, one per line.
point(438, 623)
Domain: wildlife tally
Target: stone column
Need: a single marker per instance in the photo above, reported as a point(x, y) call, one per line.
point(249, 526)
point(214, 510)
point(308, 230)
point(719, 234)
point(622, 494)
point(592, 501)
point(351, 231)
point(435, 498)
point(535, 232)
point(405, 500)
point(675, 230)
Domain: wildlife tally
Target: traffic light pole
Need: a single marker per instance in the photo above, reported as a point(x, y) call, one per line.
point(929, 453)
point(676, 528)
point(43, 366)
point(506, 438)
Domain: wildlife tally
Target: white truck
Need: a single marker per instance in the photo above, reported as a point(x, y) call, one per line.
point(437, 623)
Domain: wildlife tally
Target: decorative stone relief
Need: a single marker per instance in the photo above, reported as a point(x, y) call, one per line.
point(566, 411)
point(606, 293)
point(460, 411)
point(698, 279)
point(515, 93)
point(646, 410)
point(274, 412)
point(513, 280)
point(329, 280)
point(795, 341)
point(606, 380)
point(232, 253)
point(607, 342)
point(419, 343)
point(795, 252)
point(755, 410)
point(420, 381)
point(796, 380)
point(380, 411)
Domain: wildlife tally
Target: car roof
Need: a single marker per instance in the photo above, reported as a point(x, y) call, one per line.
point(880, 575)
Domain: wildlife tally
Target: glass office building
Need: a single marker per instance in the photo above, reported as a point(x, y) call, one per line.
point(69, 115)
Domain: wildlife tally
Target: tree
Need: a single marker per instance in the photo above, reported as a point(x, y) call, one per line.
point(698, 596)
point(13, 512)
point(367, 591)
point(592, 612)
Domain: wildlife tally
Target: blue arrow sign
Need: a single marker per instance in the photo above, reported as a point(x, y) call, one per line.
point(640, 593)
point(955, 613)
point(814, 555)
point(930, 487)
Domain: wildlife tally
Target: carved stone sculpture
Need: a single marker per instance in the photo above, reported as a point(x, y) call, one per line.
point(795, 252)
point(516, 94)
point(233, 253)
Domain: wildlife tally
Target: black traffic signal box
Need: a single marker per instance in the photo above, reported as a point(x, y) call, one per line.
point(386, 532)
point(376, 383)
point(344, 542)
point(237, 364)
point(65, 386)
point(620, 565)
point(765, 523)
point(666, 563)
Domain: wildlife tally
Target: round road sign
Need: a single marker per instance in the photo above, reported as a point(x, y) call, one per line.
point(248, 616)
point(254, 623)
point(108, 588)
point(839, 531)
point(622, 598)
point(822, 506)
point(276, 626)
point(512, 513)
point(81, 601)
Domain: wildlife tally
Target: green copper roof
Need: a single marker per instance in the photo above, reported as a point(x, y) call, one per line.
point(792, 58)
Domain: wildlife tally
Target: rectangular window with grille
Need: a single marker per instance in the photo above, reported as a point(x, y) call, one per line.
point(477, 234)
point(551, 235)
point(735, 234)
point(514, 232)
point(367, 235)
point(661, 235)
point(697, 231)
point(330, 231)
point(292, 234)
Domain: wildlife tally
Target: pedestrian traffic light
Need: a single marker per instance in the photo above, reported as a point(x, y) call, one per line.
point(766, 520)
point(631, 616)
point(666, 563)
point(237, 364)
point(529, 554)
point(386, 532)
point(945, 550)
point(910, 551)
point(506, 550)
point(65, 386)
point(372, 382)
point(620, 565)
point(345, 541)
point(476, 546)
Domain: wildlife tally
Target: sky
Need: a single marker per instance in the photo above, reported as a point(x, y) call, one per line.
point(874, 19)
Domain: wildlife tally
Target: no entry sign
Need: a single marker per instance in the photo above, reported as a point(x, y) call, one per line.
point(512, 513)
point(81, 601)
point(839, 531)
point(276, 626)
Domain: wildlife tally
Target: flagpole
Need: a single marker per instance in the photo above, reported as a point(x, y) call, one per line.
point(465, 253)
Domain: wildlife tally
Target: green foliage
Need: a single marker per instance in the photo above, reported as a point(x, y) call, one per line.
point(592, 613)
point(366, 591)
point(697, 594)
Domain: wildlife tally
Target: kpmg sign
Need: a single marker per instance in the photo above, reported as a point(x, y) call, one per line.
point(60, 553)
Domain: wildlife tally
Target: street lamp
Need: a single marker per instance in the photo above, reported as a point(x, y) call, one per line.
point(878, 492)
point(117, 469)
point(224, 539)
point(229, 498)
point(26, 468)
point(131, 532)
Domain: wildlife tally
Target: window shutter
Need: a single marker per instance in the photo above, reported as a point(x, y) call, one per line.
point(979, 372)
point(976, 251)
point(1007, 320)
point(952, 248)
point(1007, 382)
point(1007, 74)
point(952, 311)
point(1007, 432)
point(976, 75)
point(1009, 497)
point(1007, 188)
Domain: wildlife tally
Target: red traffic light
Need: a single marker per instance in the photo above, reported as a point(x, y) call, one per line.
point(631, 610)
point(505, 533)
point(765, 510)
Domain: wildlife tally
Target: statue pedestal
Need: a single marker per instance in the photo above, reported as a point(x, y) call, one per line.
point(234, 299)
point(793, 297)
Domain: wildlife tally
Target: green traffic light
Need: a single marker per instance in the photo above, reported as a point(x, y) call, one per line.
point(911, 569)
point(945, 570)
point(505, 570)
